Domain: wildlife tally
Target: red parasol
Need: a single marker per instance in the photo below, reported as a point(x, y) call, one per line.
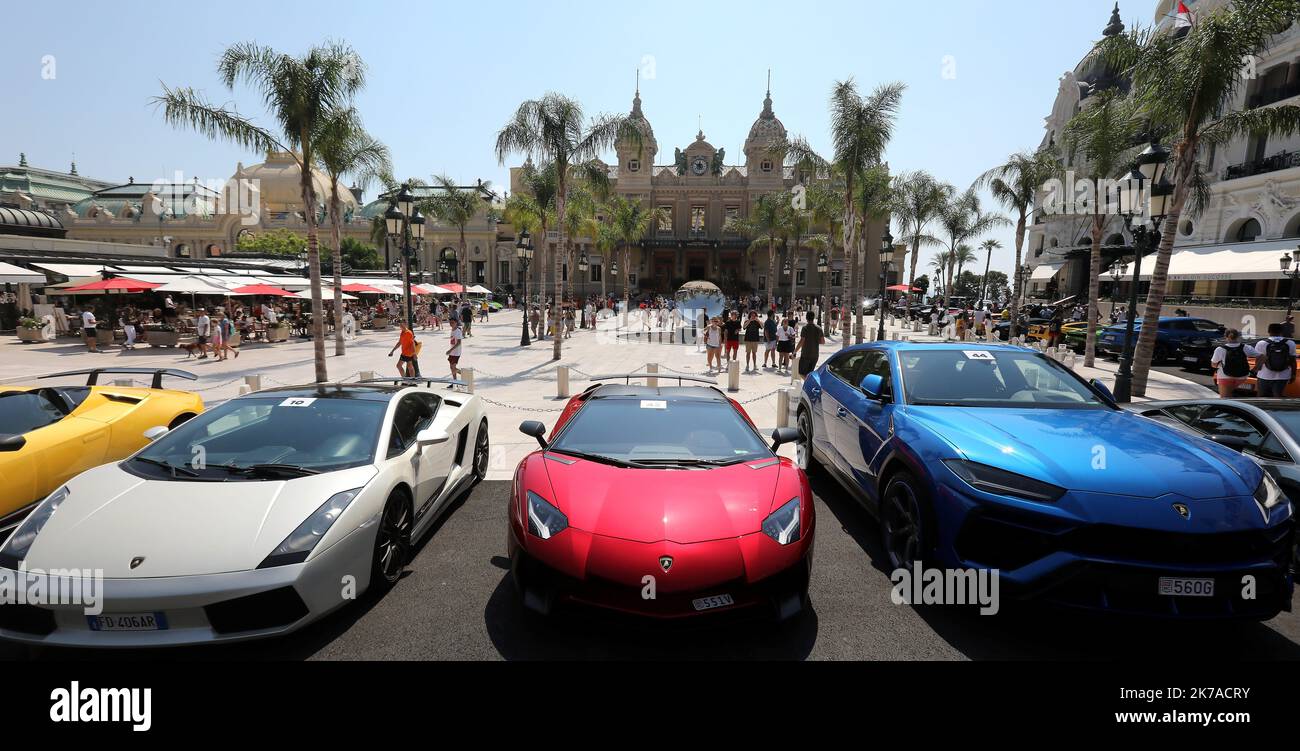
point(120, 284)
point(364, 289)
point(260, 289)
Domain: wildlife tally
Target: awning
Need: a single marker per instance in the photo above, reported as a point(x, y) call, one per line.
point(73, 269)
point(1046, 271)
point(11, 274)
point(193, 285)
point(1231, 262)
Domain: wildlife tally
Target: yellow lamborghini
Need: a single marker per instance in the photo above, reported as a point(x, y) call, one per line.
point(49, 434)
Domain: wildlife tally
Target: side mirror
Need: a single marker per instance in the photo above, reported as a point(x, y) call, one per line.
point(1104, 391)
point(156, 432)
point(536, 429)
point(784, 435)
point(1234, 442)
point(431, 436)
point(872, 385)
point(12, 442)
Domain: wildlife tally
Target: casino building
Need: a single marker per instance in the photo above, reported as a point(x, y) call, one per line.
point(701, 192)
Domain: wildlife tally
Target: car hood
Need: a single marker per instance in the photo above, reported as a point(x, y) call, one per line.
point(180, 528)
point(652, 505)
point(1100, 451)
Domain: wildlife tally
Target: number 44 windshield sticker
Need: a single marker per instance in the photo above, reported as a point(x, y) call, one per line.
point(978, 354)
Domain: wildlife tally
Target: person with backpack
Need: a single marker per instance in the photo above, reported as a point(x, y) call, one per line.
point(1275, 362)
point(1231, 364)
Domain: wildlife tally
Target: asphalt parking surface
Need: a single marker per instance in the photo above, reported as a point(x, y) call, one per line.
point(456, 602)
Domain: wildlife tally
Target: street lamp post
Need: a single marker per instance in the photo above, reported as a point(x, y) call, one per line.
point(581, 305)
point(405, 224)
point(1150, 171)
point(886, 257)
point(1118, 271)
point(524, 250)
point(1294, 276)
point(823, 265)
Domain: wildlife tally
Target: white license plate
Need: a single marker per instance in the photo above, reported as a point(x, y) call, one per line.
point(713, 601)
point(128, 622)
point(1191, 359)
point(1178, 587)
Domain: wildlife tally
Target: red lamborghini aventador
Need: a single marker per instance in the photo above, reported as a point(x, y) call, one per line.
point(663, 502)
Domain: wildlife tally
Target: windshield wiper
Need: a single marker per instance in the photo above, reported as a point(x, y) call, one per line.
point(690, 462)
point(598, 458)
point(174, 469)
point(270, 470)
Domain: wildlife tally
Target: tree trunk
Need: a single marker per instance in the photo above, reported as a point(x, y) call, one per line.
point(1184, 159)
point(860, 283)
point(1017, 295)
point(627, 285)
point(336, 225)
point(772, 284)
point(849, 305)
point(462, 263)
point(313, 266)
point(1094, 291)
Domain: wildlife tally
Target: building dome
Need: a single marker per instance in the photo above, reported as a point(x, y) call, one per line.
point(767, 129)
point(638, 120)
point(278, 181)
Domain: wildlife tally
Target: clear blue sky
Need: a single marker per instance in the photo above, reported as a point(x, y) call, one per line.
point(444, 77)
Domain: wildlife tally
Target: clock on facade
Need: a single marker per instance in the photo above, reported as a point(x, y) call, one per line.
point(699, 165)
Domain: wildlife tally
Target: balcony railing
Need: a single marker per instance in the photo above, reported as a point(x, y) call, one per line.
point(1275, 94)
point(1279, 161)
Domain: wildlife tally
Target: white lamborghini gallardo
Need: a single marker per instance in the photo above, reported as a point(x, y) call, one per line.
point(253, 519)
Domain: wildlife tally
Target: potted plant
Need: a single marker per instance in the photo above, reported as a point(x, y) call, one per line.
point(161, 335)
point(277, 332)
point(31, 330)
point(379, 323)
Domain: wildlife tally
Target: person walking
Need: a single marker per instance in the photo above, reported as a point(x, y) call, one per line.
point(732, 328)
point(1275, 362)
point(785, 344)
point(89, 329)
point(809, 347)
point(753, 333)
point(1230, 363)
point(406, 341)
point(453, 352)
point(127, 322)
point(769, 338)
point(535, 318)
point(713, 343)
point(203, 330)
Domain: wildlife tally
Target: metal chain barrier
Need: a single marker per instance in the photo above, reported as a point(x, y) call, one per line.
point(771, 393)
point(496, 403)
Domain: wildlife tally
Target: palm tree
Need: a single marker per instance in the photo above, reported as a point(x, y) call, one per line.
point(344, 147)
point(533, 208)
point(631, 221)
point(988, 247)
point(1015, 185)
point(596, 226)
point(941, 263)
point(824, 203)
point(860, 131)
point(767, 219)
point(796, 225)
point(553, 128)
point(301, 93)
point(918, 200)
point(1102, 136)
point(456, 207)
point(963, 255)
point(1182, 79)
point(872, 202)
point(963, 219)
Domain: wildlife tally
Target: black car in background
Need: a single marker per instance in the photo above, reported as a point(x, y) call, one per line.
point(1195, 353)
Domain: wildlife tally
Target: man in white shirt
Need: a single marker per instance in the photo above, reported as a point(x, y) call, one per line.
point(271, 317)
point(1275, 369)
point(453, 352)
point(88, 329)
point(203, 327)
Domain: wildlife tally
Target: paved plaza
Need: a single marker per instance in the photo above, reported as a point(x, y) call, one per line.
point(517, 383)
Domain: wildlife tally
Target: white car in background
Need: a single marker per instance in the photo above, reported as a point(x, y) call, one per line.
point(253, 519)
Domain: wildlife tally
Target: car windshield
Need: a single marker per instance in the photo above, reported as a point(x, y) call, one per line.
point(25, 411)
point(653, 431)
point(1288, 417)
point(273, 437)
point(991, 378)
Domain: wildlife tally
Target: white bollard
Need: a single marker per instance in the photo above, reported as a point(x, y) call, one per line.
point(243, 389)
point(783, 408)
point(733, 376)
point(562, 381)
point(467, 375)
point(254, 382)
point(652, 367)
point(364, 375)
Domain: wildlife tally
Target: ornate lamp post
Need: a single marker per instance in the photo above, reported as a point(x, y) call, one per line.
point(1150, 172)
point(405, 224)
point(823, 265)
point(1117, 271)
point(886, 257)
point(524, 250)
point(1294, 276)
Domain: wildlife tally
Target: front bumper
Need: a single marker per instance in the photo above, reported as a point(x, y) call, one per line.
point(209, 608)
point(1106, 552)
point(616, 571)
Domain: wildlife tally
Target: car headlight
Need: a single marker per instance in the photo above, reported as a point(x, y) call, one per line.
point(20, 542)
point(1268, 493)
point(1001, 482)
point(299, 544)
point(544, 520)
point(782, 525)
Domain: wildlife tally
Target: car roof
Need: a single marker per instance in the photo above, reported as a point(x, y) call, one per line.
point(373, 392)
point(896, 345)
point(669, 393)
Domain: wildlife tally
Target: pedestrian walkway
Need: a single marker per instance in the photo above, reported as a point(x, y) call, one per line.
point(516, 383)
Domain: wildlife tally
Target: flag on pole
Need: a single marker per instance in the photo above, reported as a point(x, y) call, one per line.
point(1183, 19)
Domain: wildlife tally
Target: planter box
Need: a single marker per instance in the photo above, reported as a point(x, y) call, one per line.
point(32, 335)
point(164, 338)
point(379, 323)
point(277, 333)
point(104, 337)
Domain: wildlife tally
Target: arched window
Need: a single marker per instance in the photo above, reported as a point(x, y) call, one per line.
point(1249, 231)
